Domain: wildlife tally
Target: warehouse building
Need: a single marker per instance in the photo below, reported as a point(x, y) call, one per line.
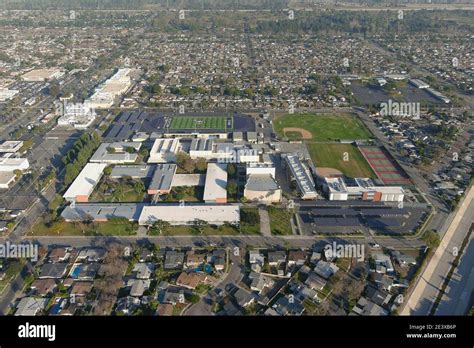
point(215, 188)
point(164, 150)
point(116, 153)
point(105, 94)
point(262, 188)
point(302, 176)
point(85, 182)
point(162, 179)
point(39, 75)
point(187, 214)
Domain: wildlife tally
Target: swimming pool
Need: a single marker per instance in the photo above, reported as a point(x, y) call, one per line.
point(75, 272)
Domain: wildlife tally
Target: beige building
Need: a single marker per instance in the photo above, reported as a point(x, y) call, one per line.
point(262, 188)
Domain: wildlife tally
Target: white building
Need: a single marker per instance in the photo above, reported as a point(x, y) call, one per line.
point(116, 153)
point(39, 75)
point(6, 178)
point(262, 188)
point(77, 115)
point(201, 148)
point(188, 214)
point(164, 150)
point(260, 168)
point(85, 182)
point(336, 189)
point(361, 189)
point(11, 146)
point(105, 94)
point(215, 188)
point(302, 176)
point(12, 164)
point(7, 94)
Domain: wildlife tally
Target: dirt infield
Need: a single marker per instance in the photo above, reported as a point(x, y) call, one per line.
point(328, 172)
point(304, 133)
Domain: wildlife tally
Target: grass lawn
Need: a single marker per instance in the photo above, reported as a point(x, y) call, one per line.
point(332, 155)
point(63, 228)
point(323, 127)
point(185, 193)
point(280, 221)
point(119, 191)
point(185, 230)
point(187, 122)
point(249, 221)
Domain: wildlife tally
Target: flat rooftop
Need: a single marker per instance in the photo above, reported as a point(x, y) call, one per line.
point(187, 214)
point(162, 177)
point(85, 182)
point(216, 182)
point(102, 211)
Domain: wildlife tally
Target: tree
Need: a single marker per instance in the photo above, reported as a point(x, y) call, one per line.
point(108, 171)
point(200, 225)
point(139, 187)
point(160, 226)
point(231, 170)
point(232, 188)
point(201, 165)
point(431, 238)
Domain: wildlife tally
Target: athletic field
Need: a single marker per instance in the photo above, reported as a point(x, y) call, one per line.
point(201, 122)
point(344, 157)
point(321, 127)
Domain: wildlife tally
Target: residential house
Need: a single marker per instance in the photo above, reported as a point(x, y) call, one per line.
point(43, 286)
point(143, 270)
point(59, 254)
point(138, 286)
point(297, 257)
point(190, 280)
point(92, 254)
point(165, 309)
point(53, 270)
point(325, 269)
point(383, 263)
point(288, 306)
point(218, 259)
point(275, 258)
point(256, 260)
point(30, 306)
point(316, 282)
point(173, 260)
point(365, 307)
point(194, 260)
point(173, 296)
point(244, 298)
point(260, 282)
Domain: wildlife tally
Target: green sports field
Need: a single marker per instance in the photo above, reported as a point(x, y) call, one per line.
point(343, 157)
point(323, 127)
point(211, 122)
